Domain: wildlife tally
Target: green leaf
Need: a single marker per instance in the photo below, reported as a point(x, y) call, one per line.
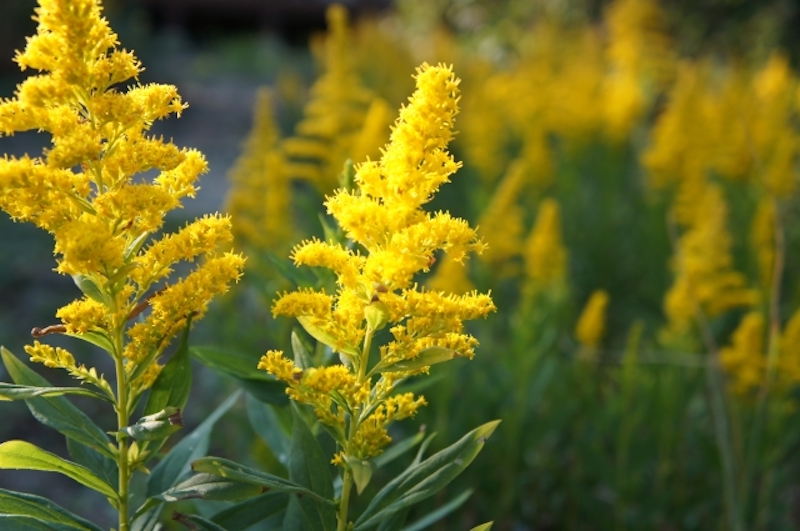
point(309, 467)
point(426, 358)
point(196, 523)
point(97, 339)
point(57, 412)
point(249, 512)
point(398, 449)
point(90, 288)
point(16, 522)
point(267, 425)
point(362, 471)
point(155, 427)
point(169, 471)
point(234, 471)
point(149, 520)
point(424, 479)
point(243, 368)
point(22, 455)
point(302, 358)
point(433, 517)
point(21, 504)
point(105, 467)
point(210, 487)
point(483, 527)
point(394, 522)
point(325, 338)
point(23, 392)
point(301, 277)
point(173, 384)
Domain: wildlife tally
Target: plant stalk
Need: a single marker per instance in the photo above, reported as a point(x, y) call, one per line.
point(122, 444)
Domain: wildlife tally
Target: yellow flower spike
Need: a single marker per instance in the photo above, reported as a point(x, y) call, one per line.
point(744, 359)
point(592, 322)
point(501, 223)
point(395, 239)
point(544, 252)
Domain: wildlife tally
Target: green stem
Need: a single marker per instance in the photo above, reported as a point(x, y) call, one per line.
point(347, 480)
point(347, 483)
point(122, 456)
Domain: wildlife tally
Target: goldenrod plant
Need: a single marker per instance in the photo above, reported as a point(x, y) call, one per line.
point(356, 393)
point(105, 221)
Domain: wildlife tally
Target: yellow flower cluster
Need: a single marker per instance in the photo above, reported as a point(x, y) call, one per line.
point(704, 276)
point(394, 239)
point(544, 251)
point(82, 189)
point(745, 359)
point(341, 121)
point(592, 323)
point(259, 197)
point(743, 126)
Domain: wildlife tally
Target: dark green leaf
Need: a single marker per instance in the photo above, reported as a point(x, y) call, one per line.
point(18, 503)
point(148, 521)
point(155, 427)
point(433, 517)
point(266, 424)
point(250, 512)
point(426, 478)
point(398, 449)
point(176, 463)
point(394, 522)
point(22, 455)
point(23, 392)
point(104, 467)
point(211, 487)
point(231, 470)
point(57, 412)
point(15, 522)
point(300, 277)
point(309, 467)
point(196, 523)
point(243, 368)
point(173, 384)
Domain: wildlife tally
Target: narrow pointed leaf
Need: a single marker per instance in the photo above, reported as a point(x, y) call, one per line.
point(95, 338)
point(104, 467)
point(196, 523)
point(325, 338)
point(398, 449)
point(267, 425)
point(176, 464)
point(149, 520)
point(228, 469)
point(18, 503)
point(433, 517)
point(249, 512)
point(211, 487)
point(23, 392)
point(243, 368)
point(173, 384)
point(426, 478)
point(426, 358)
point(16, 522)
point(483, 527)
point(57, 412)
point(309, 468)
point(22, 455)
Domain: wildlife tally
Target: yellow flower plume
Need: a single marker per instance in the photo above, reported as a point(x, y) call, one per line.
point(394, 240)
point(82, 190)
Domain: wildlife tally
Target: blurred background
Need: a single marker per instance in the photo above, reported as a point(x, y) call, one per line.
point(618, 157)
